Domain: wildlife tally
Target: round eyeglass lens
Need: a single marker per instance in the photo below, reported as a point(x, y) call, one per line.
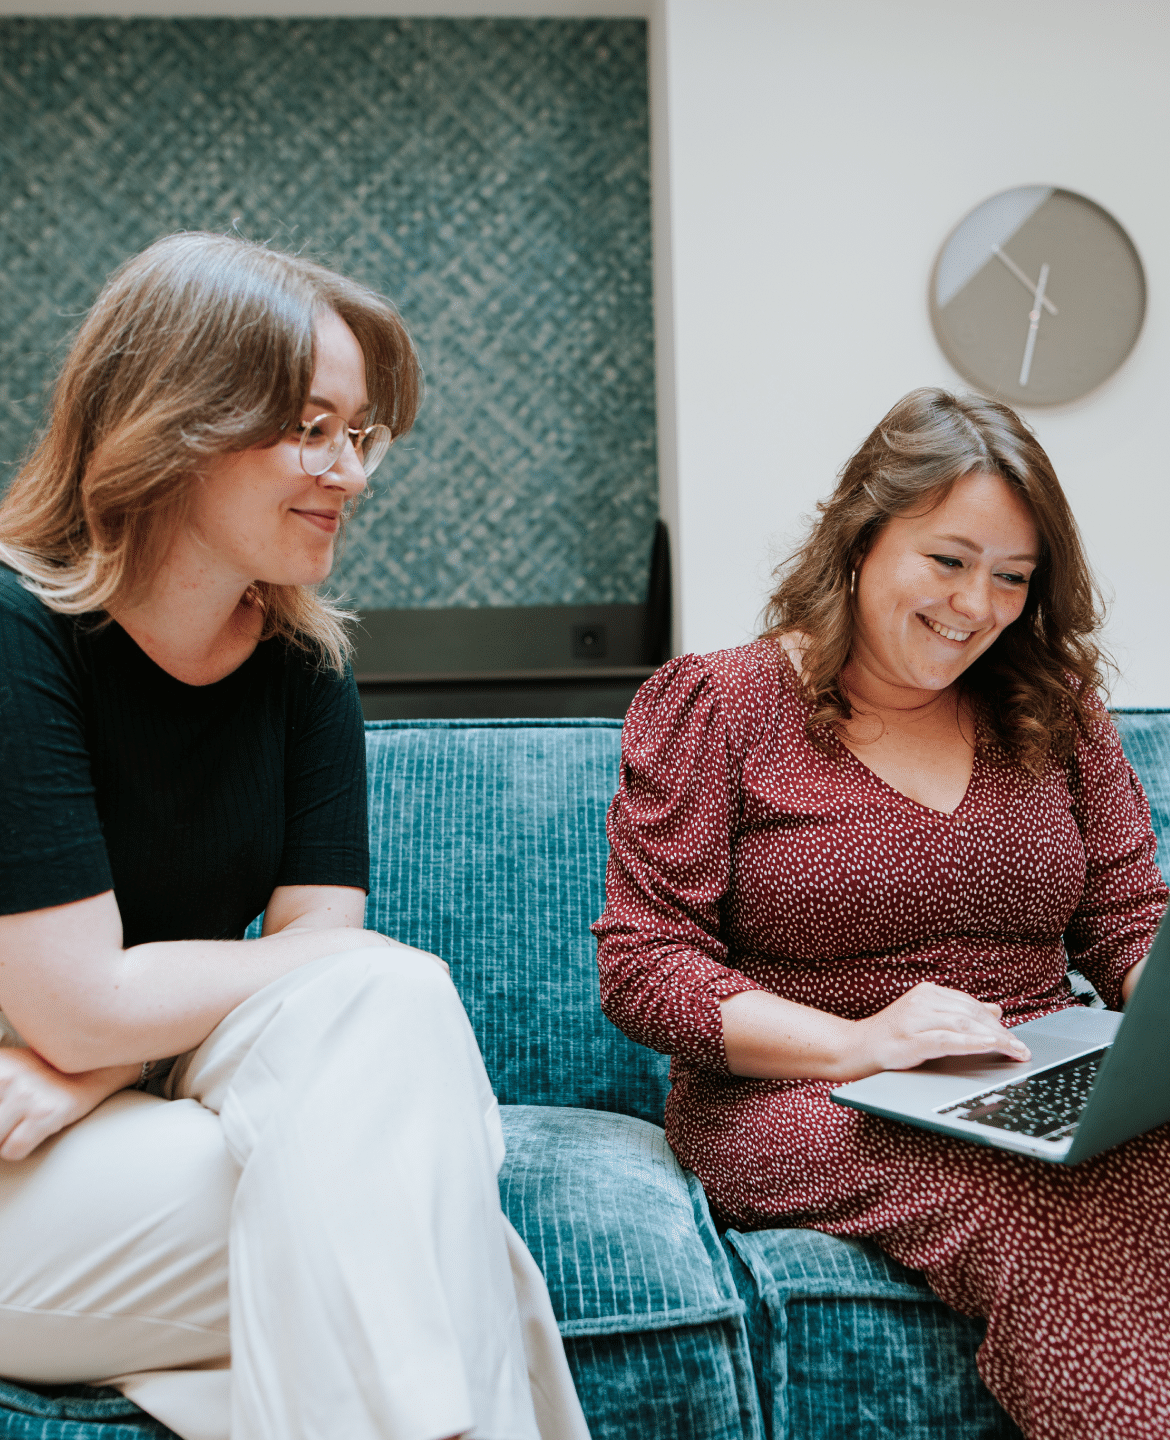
point(321, 443)
point(323, 440)
point(372, 447)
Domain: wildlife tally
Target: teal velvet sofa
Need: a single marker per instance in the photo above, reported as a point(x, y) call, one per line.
point(489, 849)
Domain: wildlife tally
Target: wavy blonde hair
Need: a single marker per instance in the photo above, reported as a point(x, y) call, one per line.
point(202, 345)
point(1032, 682)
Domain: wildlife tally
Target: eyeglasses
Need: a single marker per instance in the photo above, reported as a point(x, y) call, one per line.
point(323, 440)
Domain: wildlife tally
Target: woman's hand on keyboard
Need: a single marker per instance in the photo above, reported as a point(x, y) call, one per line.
point(931, 1021)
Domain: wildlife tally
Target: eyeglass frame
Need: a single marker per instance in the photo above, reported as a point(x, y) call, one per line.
point(306, 426)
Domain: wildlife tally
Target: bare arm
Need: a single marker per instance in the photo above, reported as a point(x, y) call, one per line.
point(295, 908)
point(84, 1003)
point(771, 1038)
point(1132, 976)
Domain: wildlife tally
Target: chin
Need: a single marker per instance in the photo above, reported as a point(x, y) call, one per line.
point(943, 682)
point(933, 679)
point(297, 574)
point(312, 570)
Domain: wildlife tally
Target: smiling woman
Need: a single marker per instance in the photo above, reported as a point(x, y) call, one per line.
point(199, 353)
point(958, 570)
point(255, 518)
point(935, 590)
point(306, 1113)
point(260, 510)
point(944, 484)
point(875, 838)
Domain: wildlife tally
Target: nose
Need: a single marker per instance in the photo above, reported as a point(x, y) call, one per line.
point(346, 472)
point(972, 595)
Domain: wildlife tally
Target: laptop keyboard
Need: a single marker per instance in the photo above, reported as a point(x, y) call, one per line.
point(1046, 1105)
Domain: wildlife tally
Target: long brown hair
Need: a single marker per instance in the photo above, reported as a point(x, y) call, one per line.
point(1031, 683)
point(200, 346)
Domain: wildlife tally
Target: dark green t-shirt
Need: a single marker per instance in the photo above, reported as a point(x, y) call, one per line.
point(190, 802)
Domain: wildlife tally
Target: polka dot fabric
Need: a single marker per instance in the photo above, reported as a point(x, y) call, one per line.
point(741, 858)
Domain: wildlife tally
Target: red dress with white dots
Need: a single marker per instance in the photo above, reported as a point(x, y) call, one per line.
point(742, 858)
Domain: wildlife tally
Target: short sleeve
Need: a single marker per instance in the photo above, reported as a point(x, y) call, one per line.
point(1124, 895)
point(326, 836)
point(52, 851)
point(661, 960)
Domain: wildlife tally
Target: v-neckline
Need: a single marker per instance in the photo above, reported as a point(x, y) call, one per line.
point(901, 794)
point(874, 776)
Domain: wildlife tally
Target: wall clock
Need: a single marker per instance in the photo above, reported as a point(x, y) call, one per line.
point(1037, 296)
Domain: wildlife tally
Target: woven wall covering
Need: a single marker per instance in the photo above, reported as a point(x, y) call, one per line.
point(490, 176)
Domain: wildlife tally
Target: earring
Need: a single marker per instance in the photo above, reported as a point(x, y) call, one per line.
point(852, 583)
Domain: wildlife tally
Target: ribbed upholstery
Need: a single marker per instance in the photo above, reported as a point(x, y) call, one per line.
point(637, 1253)
point(665, 1385)
point(652, 1320)
point(847, 1343)
point(80, 1413)
point(488, 846)
point(1145, 735)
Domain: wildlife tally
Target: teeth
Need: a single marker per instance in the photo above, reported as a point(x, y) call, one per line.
point(949, 634)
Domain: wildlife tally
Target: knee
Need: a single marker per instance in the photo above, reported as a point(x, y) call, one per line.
point(409, 983)
point(190, 1182)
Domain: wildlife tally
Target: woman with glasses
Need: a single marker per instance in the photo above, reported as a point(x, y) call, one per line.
point(274, 1159)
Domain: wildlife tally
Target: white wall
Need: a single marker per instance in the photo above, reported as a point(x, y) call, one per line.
point(819, 155)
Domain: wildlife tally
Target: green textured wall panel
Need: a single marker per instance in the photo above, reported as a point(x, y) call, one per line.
point(490, 176)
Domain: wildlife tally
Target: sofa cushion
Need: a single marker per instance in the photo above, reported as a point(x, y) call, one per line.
point(849, 1345)
point(682, 1384)
point(1145, 734)
point(620, 1230)
point(641, 1287)
point(487, 843)
point(75, 1412)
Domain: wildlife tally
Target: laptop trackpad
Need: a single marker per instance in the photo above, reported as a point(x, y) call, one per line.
point(1050, 1039)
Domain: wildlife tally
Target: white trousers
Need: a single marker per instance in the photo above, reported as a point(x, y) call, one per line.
point(304, 1241)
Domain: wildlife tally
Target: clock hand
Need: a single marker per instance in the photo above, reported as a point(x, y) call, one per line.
point(1021, 277)
point(1034, 325)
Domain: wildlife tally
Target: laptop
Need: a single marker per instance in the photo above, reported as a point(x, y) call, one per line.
point(1096, 1078)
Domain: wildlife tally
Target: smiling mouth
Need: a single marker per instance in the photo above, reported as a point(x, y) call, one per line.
point(958, 635)
point(326, 520)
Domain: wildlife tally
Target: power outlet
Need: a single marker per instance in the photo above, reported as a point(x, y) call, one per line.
point(589, 642)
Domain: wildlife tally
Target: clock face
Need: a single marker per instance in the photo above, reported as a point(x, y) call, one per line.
point(1038, 296)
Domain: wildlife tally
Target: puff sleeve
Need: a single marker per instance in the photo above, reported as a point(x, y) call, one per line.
point(671, 827)
point(1124, 894)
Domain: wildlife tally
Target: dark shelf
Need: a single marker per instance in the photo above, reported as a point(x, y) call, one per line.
point(499, 661)
point(575, 675)
point(590, 694)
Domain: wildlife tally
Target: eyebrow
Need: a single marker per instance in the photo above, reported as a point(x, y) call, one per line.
point(978, 549)
point(330, 406)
